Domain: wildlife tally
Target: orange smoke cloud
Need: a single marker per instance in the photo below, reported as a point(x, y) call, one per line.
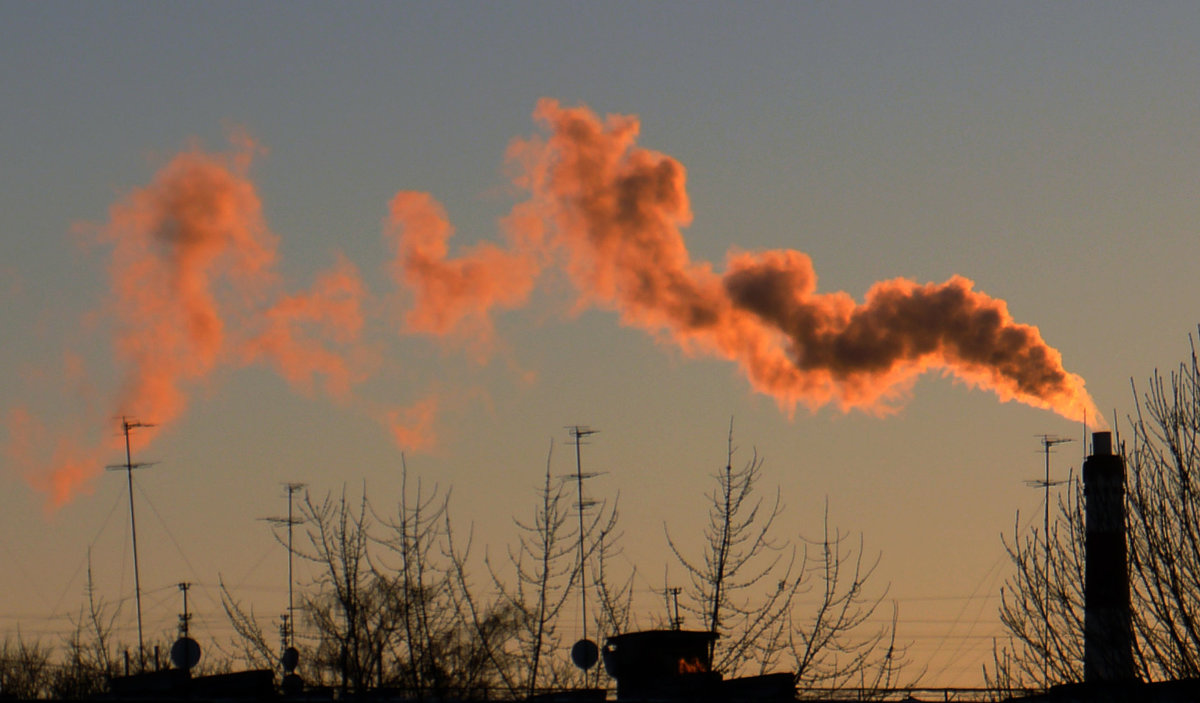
point(297, 327)
point(30, 449)
point(613, 214)
point(412, 427)
point(617, 210)
point(198, 224)
point(193, 289)
point(452, 295)
point(861, 352)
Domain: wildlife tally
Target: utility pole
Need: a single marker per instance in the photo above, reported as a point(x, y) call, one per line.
point(128, 424)
point(1048, 444)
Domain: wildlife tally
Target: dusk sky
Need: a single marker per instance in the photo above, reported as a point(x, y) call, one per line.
point(894, 242)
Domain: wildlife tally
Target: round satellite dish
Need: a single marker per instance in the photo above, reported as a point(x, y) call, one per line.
point(185, 653)
point(585, 653)
point(291, 659)
point(292, 684)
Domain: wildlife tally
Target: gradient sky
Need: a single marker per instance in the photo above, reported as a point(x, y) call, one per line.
point(1048, 152)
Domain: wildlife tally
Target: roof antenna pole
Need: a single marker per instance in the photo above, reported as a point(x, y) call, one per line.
point(291, 489)
point(289, 625)
point(187, 616)
point(584, 653)
point(1048, 443)
point(126, 425)
point(578, 432)
point(676, 622)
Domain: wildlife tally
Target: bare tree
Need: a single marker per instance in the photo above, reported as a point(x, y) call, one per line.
point(742, 584)
point(391, 603)
point(488, 663)
point(748, 587)
point(614, 598)
point(837, 643)
point(350, 607)
point(433, 646)
point(545, 572)
point(1163, 520)
point(251, 642)
point(25, 669)
point(1043, 610)
point(88, 661)
point(1164, 505)
point(547, 564)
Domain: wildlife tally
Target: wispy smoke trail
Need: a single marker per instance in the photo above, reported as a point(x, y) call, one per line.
point(193, 289)
point(303, 333)
point(412, 427)
point(31, 448)
point(197, 225)
point(612, 214)
point(452, 296)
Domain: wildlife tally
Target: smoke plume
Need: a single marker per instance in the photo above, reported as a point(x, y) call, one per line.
point(452, 296)
point(197, 225)
point(193, 289)
point(412, 427)
point(305, 333)
point(612, 214)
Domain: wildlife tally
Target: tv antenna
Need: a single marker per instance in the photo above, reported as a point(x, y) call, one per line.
point(676, 622)
point(1049, 441)
point(289, 627)
point(128, 424)
point(186, 617)
point(584, 653)
point(185, 653)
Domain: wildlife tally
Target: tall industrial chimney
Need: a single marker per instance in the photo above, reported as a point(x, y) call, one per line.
point(1107, 622)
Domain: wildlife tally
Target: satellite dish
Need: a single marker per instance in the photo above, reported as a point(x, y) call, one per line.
point(291, 658)
point(185, 653)
point(292, 684)
point(585, 653)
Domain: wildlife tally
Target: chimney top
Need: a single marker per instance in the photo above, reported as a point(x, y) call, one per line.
point(1102, 443)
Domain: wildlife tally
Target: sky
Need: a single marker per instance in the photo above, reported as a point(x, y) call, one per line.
point(306, 240)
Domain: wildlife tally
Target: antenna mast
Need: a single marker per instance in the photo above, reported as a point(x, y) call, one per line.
point(128, 424)
point(289, 626)
point(185, 653)
point(578, 432)
point(186, 616)
point(1048, 443)
point(584, 653)
point(676, 622)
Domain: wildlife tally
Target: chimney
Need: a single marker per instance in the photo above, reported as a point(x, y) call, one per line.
point(1107, 623)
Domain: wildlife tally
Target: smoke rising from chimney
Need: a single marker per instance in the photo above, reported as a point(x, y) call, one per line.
point(194, 289)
